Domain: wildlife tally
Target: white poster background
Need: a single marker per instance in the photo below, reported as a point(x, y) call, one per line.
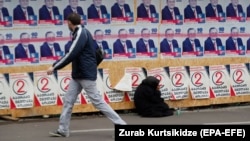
point(199, 82)
point(240, 79)
point(163, 76)
point(4, 92)
point(22, 90)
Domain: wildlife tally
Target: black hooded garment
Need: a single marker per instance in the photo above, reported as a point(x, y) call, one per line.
point(148, 101)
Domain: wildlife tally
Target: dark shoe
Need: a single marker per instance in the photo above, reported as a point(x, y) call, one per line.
point(58, 134)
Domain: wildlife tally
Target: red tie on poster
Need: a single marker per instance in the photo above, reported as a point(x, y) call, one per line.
point(172, 14)
point(52, 51)
point(147, 49)
point(214, 45)
point(171, 48)
point(148, 12)
point(215, 12)
point(50, 13)
point(99, 13)
point(124, 47)
point(235, 45)
point(26, 50)
point(1, 56)
point(235, 11)
point(195, 15)
point(24, 13)
point(193, 46)
point(123, 12)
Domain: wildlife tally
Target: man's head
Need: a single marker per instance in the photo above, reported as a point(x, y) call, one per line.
point(98, 35)
point(170, 3)
point(24, 3)
point(191, 33)
point(97, 3)
point(214, 2)
point(50, 37)
point(213, 33)
point(192, 3)
point(1, 39)
point(234, 32)
point(145, 34)
point(146, 2)
point(169, 34)
point(122, 33)
point(24, 38)
point(121, 2)
point(49, 3)
point(235, 2)
point(73, 20)
point(73, 3)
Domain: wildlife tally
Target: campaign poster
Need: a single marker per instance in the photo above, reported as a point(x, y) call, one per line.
point(22, 90)
point(111, 95)
point(137, 75)
point(163, 75)
point(219, 81)
point(63, 80)
point(240, 79)
point(4, 91)
point(179, 82)
point(199, 82)
point(46, 88)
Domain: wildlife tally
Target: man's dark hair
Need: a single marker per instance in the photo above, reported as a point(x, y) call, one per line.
point(74, 18)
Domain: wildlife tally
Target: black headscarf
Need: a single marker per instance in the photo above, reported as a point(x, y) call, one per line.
point(151, 81)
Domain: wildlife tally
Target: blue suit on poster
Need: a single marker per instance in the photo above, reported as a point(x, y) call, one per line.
point(93, 13)
point(44, 12)
point(116, 11)
point(141, 46)
point(5, 50)
point(46, 51)
point(230, 12)
point(19, 14)
point(67, 46)
point(69, 10)
point(118, 46)
point(20, 51)
point(248, 44)
point(187, 45)
point(165, 47)
point(5, 12)
point(142, 11)
point(210, 10)
point(230, 43)
point(209, 45)
point(189, 13)
point(104, 45)
point(166, 14)
point(248, 11)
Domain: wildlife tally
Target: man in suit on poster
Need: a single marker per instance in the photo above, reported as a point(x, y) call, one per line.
point(119, 9)
point(169, 11)
point(4, 50)
point(23, 10)
point(122, 45)
point(192, 10)
point(234, 9)
point(3, 11)
point(145, 9)
point(72, 7)
point(234, 41)
point(96, 10)
point(213, 9)
point(144, 44)
point(49, 47)
point(48, 11)
point(212, 42)
point(168, 44)
point(191, 42)
point(248, 10)
point(24, 49)
point(98, 40)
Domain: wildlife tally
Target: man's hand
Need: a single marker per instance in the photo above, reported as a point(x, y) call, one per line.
point(50, 70)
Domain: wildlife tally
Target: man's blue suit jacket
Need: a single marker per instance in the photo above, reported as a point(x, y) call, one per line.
point(45, 49)
point(230, 43)
point(189, 13)
point(164, 45)
point(187, 45)
point(142, 12)
point(166, 14)
point(19, 15)
point(104, 45)
point(230, 10)
point(67, 46)
point(141, 47)
point(69, 10)
point(210, 10)
point(5, 12)
point(44, 12)
point(248, 11)
point(118, 46)
point(248, 44)
point(93, 13)
point(6, 50)
point(116, 11)
point(209, 46)
point(20, 51)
